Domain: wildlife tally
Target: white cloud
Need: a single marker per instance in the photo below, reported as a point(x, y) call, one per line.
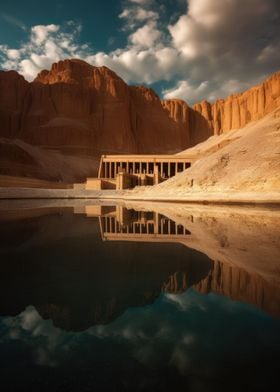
point(214, 49)
point(138, 14)
point(40, 33)
point(185, 90)
point(145, 36)
point(13, 54)
point(46, 45)
point(142, 2)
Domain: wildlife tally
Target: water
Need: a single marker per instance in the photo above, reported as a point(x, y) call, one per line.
point(144, 298)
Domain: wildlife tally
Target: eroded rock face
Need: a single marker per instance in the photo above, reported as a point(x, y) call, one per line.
point(81, 111)
point(238, 110)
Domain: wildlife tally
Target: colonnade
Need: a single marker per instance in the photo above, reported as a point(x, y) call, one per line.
point(159, 226)
point(109, 168)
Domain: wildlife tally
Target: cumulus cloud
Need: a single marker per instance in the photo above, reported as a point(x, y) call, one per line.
point(138, 14)
point(145, 36)
point(226, 45)
point(214, 49)
point(46, 45)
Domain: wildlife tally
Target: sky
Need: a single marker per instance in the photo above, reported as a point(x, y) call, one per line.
point(188, 49)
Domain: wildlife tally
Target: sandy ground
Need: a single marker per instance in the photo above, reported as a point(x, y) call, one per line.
point(240, 165)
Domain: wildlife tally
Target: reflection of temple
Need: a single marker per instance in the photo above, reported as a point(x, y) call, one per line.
point(58, 263)
point(121, 224)
point(130, 225)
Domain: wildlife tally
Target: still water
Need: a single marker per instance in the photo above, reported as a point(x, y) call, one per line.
point(139, 298)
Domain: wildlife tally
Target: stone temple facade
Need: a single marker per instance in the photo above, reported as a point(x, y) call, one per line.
point(127, 171)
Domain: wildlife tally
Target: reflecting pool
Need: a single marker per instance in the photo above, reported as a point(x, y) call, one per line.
point(140, 297)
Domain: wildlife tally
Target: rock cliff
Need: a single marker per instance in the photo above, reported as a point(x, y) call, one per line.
point(238, 110)
point(79, 111)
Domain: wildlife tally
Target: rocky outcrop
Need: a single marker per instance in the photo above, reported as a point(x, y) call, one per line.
point(84, 111)
point(238, 110)
point(81, 111)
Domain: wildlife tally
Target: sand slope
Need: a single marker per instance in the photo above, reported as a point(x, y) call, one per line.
point(241, 161)
point(21, 159)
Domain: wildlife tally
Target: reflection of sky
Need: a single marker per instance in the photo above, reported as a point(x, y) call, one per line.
point(203, 339)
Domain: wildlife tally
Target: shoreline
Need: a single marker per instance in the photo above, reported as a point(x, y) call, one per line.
point(245, 198)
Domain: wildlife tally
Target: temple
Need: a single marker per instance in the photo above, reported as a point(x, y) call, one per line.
point(127, 171)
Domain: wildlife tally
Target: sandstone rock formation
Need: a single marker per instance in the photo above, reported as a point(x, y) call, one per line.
point(75, 112)
point(238, 110)
point(82, 111)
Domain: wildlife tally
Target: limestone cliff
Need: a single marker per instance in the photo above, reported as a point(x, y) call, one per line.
point(83, 111)
point(77, 112)
point(238, 110)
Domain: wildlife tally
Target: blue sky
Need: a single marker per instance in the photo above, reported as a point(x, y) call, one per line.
point(195, 49)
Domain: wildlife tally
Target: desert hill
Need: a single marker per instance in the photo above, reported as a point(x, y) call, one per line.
point(57, 126)
point(240, 164)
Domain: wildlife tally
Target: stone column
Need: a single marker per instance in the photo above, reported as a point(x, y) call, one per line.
point(156, 223)
point(156, 175)
point(169, 169)
point(161, 226)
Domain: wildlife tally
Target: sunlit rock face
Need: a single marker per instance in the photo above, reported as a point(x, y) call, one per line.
point(238, 110)
point(82, 111)
point(78, 111)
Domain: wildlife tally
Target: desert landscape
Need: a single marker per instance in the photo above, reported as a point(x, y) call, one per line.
point(56, 128)
point(140, 196)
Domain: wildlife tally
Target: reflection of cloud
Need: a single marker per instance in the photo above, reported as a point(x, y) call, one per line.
point(41, 335)
point(192, 333)
point(184, 303)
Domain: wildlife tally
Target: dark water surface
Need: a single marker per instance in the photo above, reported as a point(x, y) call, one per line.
point(104, 298)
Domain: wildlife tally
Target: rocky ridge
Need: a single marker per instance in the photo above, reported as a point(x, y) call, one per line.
point(75, 112)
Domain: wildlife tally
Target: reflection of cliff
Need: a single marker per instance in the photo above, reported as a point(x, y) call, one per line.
point(59, 264)
point(244, 244)
point(240, 285)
